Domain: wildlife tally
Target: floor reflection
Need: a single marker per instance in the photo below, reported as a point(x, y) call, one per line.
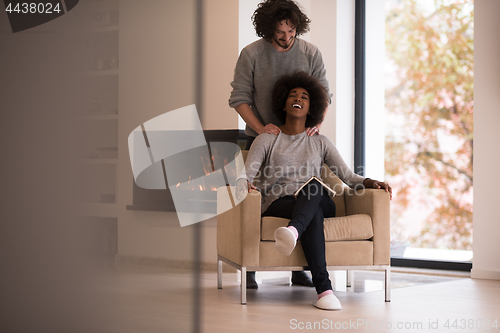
point(362, 281)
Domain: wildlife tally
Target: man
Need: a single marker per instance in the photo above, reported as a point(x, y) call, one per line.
point(278, 52)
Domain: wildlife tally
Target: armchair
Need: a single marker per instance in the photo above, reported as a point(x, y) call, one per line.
point(356, 239)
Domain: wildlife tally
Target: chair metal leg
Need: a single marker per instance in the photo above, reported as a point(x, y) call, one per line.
point(243, 285)
point(219, 274)
point(388, 284)
point(349, 278)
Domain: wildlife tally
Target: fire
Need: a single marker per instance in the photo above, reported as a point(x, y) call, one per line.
point(208, 166)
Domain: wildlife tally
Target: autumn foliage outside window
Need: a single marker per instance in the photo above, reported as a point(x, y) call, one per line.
point(429, 110)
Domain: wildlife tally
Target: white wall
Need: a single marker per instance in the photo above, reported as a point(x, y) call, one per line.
point(486, 247)
point(375, 90)
point(324, 35)
point(220, 56)
point(332, 30)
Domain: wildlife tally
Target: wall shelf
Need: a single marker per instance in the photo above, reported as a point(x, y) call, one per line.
point(106, 29)
point(97, 209)
point(105, 72)
point(99, 166)
point(100, 117)
point(98, 160)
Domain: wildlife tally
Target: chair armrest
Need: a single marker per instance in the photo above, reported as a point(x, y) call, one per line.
point(238, 230)
point(376, 203)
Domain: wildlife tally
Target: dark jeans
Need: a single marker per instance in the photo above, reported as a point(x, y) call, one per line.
point(250, 140)
point(307, 214)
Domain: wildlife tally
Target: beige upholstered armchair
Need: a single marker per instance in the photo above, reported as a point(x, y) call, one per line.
point(356, 239)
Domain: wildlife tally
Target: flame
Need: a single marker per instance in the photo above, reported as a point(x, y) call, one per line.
point(208, 166)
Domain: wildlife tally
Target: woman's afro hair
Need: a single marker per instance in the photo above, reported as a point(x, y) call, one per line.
point(318, 96)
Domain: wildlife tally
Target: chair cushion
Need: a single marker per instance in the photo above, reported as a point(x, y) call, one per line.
point(343, 228)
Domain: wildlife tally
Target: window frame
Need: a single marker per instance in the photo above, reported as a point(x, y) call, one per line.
point(360, 135)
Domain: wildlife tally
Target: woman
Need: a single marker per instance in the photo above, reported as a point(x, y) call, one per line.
point(290, 159)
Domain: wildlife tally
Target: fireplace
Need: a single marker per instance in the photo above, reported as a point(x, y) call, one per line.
point(161, 200)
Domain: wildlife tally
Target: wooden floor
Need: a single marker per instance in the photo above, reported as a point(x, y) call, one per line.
point(142, 300)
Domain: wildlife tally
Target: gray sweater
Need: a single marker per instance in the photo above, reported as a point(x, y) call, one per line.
point(258, 68)
point(288, 161)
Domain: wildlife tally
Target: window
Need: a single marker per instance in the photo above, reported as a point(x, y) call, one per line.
point(429, 111)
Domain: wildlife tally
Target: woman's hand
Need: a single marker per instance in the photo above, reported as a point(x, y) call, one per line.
point(270, 128)
point(378, 185)
point(243, 187)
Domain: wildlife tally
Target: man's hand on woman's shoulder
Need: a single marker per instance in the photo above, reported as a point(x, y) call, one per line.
point(271, 129)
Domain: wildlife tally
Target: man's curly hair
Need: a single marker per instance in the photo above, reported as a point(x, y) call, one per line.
point(270, 12)
point(318, 96)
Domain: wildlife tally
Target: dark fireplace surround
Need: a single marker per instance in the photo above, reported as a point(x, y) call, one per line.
point(161, 200)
